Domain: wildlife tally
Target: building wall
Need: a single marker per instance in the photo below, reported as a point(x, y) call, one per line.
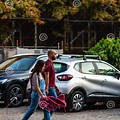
point(75, 36)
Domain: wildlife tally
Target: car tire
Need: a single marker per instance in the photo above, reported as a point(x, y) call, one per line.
point(14, 95)
point(76, 102)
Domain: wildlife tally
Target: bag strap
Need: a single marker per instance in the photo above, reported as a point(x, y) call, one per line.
point(38, 79)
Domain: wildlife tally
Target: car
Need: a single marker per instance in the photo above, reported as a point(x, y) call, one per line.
point(14, 77)
point(87, 80)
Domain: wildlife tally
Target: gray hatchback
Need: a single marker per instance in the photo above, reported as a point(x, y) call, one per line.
point(87, 81)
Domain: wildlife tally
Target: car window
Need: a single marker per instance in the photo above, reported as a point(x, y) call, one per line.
point(18, 64)
point(105, 69)
point(77, 67)
point(60, 67)
point(23, 64)
point(88, 68)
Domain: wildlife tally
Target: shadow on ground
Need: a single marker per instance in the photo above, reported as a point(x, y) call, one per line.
point(98, 106)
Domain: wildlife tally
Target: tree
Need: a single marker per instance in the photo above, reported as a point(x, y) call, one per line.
point(109, 50)
point(86, 9)
point(20, 8)
point(109, 10)
point(76, 9)
point(100, 10)
point(58, 9)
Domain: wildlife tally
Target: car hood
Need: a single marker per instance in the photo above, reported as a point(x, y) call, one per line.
point(13, 74)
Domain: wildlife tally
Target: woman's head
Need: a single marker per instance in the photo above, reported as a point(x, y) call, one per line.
point(39, 67)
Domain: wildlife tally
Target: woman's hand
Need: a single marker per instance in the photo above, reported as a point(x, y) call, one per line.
point(43, 97)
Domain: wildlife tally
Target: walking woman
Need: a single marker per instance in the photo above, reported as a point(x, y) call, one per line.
point(38, 88)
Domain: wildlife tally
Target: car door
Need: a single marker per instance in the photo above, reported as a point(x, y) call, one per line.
point(90, 79)
point(110, 83)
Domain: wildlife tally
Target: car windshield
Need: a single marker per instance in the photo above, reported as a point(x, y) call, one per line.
point(18, 63)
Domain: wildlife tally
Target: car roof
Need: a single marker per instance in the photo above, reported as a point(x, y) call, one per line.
point(62, 57)
point(26, 54)
point(69, 60)
point(45, 55)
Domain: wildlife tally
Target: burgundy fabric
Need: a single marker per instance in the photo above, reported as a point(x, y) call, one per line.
point(51, 102)
point(50, 68)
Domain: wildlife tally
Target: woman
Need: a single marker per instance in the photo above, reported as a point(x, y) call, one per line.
point(38, 88)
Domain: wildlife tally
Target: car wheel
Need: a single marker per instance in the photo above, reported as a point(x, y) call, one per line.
point(14, 95)
point(76, 101)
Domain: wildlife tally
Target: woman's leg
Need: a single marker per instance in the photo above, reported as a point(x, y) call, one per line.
point(32, 108)
point(47, 115)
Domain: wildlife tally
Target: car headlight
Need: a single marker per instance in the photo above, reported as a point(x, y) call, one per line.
point(3, 81)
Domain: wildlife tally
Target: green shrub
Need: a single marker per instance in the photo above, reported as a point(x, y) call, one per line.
point(108, 50)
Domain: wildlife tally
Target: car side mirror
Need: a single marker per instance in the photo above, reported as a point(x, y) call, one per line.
point(58, 56)
point(117, 75)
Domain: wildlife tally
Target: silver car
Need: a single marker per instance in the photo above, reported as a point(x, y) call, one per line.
point(87, 81)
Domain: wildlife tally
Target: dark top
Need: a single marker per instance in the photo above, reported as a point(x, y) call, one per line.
point(50, 68)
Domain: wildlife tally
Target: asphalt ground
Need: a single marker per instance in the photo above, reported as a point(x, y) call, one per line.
point(96, 112)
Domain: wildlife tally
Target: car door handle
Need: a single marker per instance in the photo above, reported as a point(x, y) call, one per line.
point(105, 80)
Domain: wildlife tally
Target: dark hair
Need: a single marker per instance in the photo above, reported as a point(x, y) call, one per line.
point(37, 68)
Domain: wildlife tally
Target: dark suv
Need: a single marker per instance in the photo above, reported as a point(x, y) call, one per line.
point(14, 74)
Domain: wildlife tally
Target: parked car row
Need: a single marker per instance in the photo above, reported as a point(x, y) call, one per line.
point(14, 76)
point(83, 79)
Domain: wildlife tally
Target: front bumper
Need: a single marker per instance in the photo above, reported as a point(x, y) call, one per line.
point(2, 91)
point(0, 96)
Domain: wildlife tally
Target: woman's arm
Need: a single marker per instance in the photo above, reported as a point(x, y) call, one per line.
point(39, 91)
point(37, 85)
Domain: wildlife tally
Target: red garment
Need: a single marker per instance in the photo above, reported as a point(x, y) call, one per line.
point(50, 68)
point(51, 102)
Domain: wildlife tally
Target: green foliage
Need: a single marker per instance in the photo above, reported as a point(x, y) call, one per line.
point(100, 9)
point(109, 50)
point(95, 9)
point(21, 8)
point(59, 9)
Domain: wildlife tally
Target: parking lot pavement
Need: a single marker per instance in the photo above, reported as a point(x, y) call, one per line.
point(94, 113)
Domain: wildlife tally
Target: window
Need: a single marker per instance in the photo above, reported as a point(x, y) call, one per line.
point(105, 69)
point(77, 67)
point(18, 63)
point(88, 68)
point(60, 67)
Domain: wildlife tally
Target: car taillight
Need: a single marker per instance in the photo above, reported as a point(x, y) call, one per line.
point(65, 77)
